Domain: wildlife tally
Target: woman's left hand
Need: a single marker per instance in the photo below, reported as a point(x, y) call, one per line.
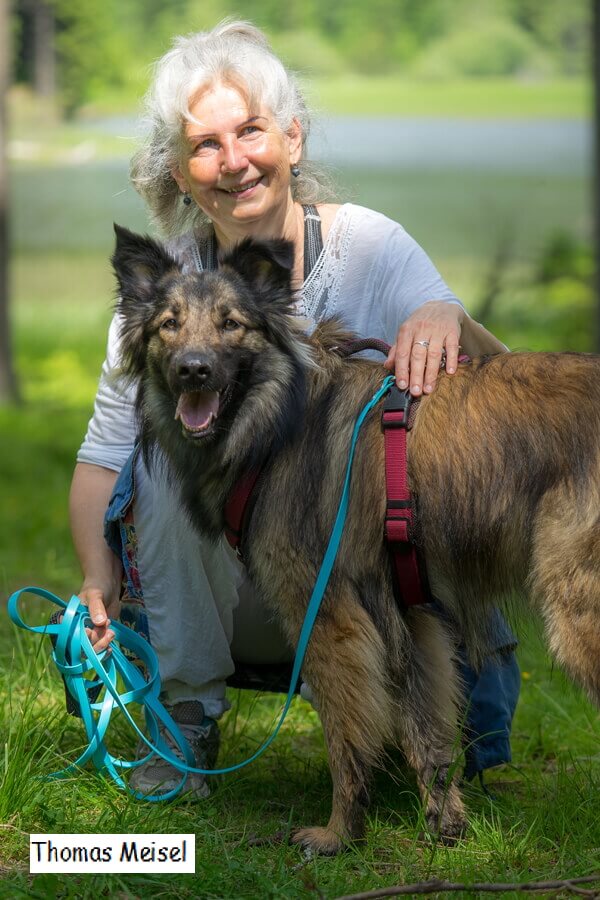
point(431, 333)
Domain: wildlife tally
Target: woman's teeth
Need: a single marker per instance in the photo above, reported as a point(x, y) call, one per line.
point(243, 187)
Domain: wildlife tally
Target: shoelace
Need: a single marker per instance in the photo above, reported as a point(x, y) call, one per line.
point(75, 656)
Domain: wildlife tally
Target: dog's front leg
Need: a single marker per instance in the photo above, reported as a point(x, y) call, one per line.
point(345, 667)
point(346, 823)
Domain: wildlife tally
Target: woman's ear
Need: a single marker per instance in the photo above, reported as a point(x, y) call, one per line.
point(294, 134)
point(180, 179)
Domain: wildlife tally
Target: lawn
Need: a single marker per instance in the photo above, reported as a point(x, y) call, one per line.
point(479, 98)
point(542, 824)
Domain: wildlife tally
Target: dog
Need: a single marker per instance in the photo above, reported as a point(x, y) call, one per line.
point(503, 462)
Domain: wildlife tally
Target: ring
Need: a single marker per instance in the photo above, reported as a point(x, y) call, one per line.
point(422, 343)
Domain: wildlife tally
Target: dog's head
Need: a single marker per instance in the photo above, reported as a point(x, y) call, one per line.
point(201, 340)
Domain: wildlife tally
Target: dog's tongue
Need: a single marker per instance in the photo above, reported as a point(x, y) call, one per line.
point(197, 408)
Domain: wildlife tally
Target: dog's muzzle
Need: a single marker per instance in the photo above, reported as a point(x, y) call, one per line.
point(199, 410)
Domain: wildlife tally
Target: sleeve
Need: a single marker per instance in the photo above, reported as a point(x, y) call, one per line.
point(111, 430)
point(407, 278)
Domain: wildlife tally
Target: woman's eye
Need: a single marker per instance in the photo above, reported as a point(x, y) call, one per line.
point(169, 325)
point(207, 145)
point(249, 132)
point(230, 325)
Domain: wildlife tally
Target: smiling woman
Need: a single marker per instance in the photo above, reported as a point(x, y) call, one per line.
point(225, 160)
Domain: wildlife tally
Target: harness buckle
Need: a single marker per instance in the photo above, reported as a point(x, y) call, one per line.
point(396, 407)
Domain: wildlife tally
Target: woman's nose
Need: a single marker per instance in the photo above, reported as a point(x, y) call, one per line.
point(234, 154)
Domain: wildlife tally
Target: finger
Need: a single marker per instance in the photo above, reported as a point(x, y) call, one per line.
point(95, 602)
point(434, 358)
point(103, 643)
point(391, 359)
point(418, 361)
point(401, 357)
point(452, 348)
point(100, 640)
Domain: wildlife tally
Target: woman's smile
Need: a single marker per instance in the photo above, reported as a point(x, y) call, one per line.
point(244, 190)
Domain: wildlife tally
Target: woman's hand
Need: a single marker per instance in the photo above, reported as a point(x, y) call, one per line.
point(103, 605)
point(428, 336)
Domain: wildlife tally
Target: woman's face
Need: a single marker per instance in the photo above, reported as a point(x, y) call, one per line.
point(236, 162)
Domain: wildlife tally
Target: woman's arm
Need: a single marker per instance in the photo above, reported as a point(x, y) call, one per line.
point(430, 324)
point(105, 449)
point(90, 492)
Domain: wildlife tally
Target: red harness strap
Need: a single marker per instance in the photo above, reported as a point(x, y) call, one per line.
point(410, 582)
point(410, 578)
point(237, 510)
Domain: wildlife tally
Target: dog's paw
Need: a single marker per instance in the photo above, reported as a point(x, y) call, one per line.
point(447, 831)
point(318, 840)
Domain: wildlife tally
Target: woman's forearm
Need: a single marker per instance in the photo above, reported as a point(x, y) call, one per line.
point(91, 489)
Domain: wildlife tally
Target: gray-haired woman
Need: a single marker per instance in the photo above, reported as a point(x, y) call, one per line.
point(225, 158)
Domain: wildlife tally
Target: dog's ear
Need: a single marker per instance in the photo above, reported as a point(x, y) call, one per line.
point(266, 266)
point(139, 263)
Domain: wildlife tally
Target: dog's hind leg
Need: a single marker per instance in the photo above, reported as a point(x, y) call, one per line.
point(428, 700)
point(346, 669)
point(566, 584)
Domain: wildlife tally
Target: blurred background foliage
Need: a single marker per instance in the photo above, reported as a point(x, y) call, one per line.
point(107, 45)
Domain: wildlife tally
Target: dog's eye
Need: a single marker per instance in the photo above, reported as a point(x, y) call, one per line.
point(230, 325)
point(170, 325)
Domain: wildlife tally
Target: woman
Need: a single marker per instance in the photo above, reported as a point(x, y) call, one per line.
point(225, 159)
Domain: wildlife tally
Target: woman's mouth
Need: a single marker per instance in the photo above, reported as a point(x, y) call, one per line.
point(241, 191)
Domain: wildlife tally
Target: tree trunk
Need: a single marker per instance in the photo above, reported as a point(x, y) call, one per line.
point(44, 63)
point(596, 178)
point(8, 384)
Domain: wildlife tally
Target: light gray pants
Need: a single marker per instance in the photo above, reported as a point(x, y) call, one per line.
point(202, 613)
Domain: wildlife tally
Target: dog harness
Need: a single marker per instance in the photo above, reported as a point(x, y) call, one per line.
point(409, 575)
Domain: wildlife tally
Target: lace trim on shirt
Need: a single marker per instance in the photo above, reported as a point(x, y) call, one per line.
point(320, 293)
point(201, 248)
point(321, 289)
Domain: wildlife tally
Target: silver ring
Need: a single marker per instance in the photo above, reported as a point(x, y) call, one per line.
point(422, 343)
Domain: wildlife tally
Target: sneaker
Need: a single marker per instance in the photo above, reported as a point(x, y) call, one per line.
point(202, 734)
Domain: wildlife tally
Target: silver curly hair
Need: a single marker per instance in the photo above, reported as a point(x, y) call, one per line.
point(234, 53)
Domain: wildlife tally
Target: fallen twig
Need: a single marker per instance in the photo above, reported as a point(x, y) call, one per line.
point(433, 887)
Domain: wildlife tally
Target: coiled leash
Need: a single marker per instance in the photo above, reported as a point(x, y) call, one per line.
point(75, 658)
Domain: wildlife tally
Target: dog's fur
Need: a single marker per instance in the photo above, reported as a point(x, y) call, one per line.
point(503, 460)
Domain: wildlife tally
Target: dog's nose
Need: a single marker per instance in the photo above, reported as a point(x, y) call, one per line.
point(193, 367)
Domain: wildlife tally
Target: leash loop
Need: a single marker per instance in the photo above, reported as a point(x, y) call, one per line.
point(75, 658)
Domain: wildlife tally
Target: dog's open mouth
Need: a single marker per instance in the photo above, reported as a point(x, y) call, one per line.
point(198, 410)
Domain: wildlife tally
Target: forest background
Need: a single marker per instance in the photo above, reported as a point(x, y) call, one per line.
point(102, 47)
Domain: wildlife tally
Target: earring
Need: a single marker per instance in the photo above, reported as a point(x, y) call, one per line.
point(187, 199)
point(295, 170)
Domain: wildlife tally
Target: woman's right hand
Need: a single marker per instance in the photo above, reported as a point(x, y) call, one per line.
point(104, 605)
point(102, 612)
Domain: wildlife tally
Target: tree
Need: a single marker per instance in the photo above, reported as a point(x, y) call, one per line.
point(44, 64)
point(8, 384)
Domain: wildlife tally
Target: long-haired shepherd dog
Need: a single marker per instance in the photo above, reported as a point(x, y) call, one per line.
point(503, 460)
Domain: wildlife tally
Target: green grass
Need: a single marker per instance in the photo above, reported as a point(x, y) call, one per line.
point(485, 98)
point(542, 825)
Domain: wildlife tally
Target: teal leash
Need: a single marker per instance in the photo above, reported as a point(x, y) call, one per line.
point(75, 658)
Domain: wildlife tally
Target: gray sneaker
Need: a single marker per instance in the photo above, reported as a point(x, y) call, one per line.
point(202, 734)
